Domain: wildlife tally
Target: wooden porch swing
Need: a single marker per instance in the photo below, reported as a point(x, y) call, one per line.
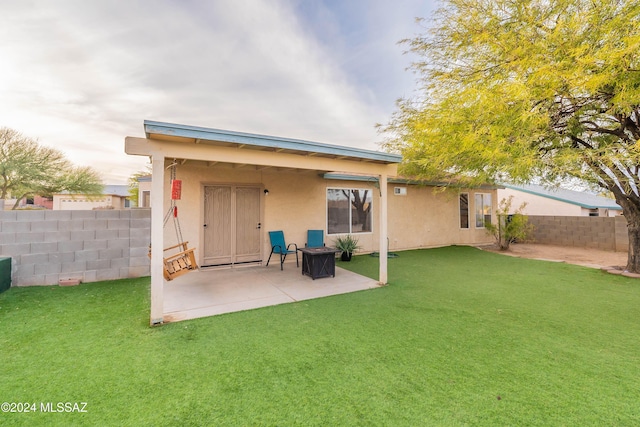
point(183, 261)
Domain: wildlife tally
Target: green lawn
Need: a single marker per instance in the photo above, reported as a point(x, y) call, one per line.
point(459, 337)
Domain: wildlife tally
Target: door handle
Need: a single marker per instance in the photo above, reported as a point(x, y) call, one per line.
point(259, 226)
point(205, 226)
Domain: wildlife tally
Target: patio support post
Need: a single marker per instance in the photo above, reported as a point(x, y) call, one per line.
point(157, 239)
point(383, 230)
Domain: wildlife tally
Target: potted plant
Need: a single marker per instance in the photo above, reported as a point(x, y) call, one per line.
point(347, 244)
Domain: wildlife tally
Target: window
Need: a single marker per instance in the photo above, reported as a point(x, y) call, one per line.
point(464, 210)
point(483, 209)
point(348, 210)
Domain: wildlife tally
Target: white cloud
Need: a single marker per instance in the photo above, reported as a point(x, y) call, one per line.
point(83, 75)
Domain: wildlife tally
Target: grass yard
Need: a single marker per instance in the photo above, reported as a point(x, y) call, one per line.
point(460, 337)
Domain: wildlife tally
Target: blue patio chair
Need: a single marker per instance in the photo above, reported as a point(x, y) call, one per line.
point(315, 239)
point(278, 246)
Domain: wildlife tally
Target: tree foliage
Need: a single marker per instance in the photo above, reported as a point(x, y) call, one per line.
point(28, 169)
point(515, 89)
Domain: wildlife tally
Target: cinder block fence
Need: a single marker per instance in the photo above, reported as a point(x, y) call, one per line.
point(606, 233)
point(49, 246)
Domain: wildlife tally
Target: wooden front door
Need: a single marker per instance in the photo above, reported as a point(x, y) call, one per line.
point(231, 225)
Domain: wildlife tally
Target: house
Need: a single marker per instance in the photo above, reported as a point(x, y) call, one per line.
point(112, 197)
point(44, 202)
point(558, 201)
point(144, 191)
point(235, 187)
point(35, 202)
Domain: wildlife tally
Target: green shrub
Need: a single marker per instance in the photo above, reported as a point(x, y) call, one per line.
point(509, 227)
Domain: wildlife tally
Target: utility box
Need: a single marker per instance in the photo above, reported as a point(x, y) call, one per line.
point(399, 191)
point(5, 274)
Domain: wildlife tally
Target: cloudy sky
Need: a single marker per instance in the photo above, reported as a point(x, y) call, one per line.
point(82, 75)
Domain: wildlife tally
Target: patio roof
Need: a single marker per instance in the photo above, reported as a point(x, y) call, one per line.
point(401, 180)
point(226, 138)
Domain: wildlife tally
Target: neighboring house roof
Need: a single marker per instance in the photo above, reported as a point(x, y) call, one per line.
point(116, 190)
point(201, 135)
point(582, 199)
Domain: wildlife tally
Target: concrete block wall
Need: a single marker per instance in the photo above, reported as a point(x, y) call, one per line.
point(48, 246)
point(606, 233)
point(622, 234)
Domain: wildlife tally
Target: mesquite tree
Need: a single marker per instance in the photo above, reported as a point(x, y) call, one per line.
point(520, 89)
point(28, 169)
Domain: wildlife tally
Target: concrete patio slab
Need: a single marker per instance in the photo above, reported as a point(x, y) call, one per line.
point(217, 291)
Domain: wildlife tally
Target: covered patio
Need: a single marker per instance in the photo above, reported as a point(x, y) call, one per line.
point(210, 292)
point(237, 186)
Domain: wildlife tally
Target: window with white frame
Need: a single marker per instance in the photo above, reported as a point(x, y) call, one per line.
point(464, 210)
point(483, 209)
point(348, 210)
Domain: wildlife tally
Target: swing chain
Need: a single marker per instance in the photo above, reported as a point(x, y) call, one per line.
point(173, 209)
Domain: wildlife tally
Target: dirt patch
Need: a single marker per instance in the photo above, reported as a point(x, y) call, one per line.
point(581, 256)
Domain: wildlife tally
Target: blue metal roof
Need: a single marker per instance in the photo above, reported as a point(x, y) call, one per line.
point(371, 178)
point(401, 180)
point(582, 199)
point(161, 130)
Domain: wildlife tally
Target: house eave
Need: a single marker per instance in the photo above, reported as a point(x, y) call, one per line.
point(405, 181)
